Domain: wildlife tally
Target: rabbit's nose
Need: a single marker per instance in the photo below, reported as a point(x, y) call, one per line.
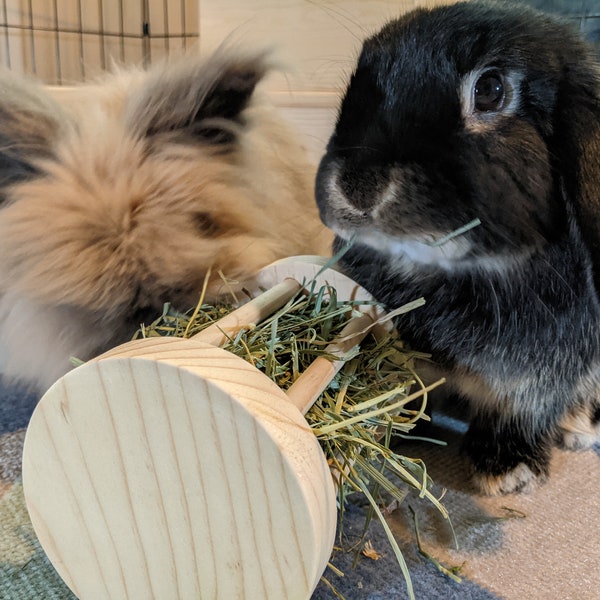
point(363, 186)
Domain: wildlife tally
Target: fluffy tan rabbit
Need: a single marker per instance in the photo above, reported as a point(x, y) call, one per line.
point(122, 197)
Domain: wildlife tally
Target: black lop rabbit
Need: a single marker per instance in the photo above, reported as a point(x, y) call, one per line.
point(482, 111)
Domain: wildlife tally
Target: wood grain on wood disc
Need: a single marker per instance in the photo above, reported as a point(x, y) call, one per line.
point(171, 469)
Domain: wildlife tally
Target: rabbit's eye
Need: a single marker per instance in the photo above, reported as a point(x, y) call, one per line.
point(207, 225)
point(488, 94)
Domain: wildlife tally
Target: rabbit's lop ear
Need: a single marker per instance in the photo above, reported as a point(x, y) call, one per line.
point(195, 98)
point(30, 124)
point(575, 146)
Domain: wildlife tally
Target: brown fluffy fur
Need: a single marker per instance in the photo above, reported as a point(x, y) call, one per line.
point(122, 196)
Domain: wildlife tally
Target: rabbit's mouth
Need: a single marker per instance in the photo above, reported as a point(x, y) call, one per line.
point(418, 246)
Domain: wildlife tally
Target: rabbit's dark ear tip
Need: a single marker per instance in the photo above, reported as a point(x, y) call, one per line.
point(199, 97)
point(23, 140)
point(233, 91)
point(244, 78)
point(234, 86)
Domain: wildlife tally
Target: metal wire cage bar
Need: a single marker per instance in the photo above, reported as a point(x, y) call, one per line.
point(64, 41)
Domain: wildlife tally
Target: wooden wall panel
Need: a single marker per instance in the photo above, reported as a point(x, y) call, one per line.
point(316, 41)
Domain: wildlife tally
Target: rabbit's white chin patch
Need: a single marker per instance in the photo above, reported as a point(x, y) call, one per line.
point(419, 252)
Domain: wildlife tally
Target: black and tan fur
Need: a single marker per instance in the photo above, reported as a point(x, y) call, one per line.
point(512, 312)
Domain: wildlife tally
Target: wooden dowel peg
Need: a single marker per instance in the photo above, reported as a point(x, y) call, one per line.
point(303, 393)
point(252, 312)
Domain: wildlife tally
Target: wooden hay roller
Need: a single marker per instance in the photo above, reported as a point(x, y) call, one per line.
point(169, 468)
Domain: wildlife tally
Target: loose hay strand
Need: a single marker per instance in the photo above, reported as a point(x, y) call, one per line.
point(392, 540)
point(451, 572)
point(200, 302)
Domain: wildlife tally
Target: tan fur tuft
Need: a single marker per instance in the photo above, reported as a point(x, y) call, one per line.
point(120, 219)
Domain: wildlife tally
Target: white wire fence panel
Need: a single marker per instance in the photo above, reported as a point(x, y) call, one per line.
point(63, 41)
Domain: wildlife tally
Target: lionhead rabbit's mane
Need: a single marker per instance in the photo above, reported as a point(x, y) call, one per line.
point(106, 175)
point(122, 194)
point(201, 100)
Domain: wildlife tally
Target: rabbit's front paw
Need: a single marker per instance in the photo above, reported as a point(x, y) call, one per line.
point(580, 429)
point(506, 457)
point(520, 479)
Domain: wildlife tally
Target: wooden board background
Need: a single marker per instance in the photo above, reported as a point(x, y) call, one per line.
point(316, 41)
